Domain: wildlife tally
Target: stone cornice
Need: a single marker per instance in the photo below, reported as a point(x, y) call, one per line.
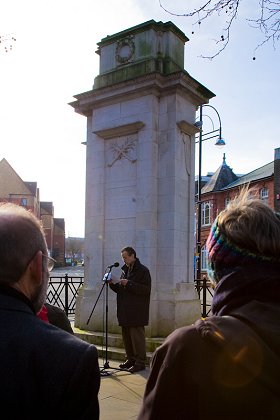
point(150, 24)
point(153, 83)
point(187, 128)
point(121, 130)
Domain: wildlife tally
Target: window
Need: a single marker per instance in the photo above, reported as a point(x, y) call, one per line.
point(227, 200)
point(205, 213)
point(203, 258)
point(264, 195)
point(23, 202)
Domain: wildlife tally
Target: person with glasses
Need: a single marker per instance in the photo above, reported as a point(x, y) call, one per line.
point(53, 314)
point(42, 367)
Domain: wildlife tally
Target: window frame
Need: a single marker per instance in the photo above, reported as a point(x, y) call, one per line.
point(203, 265)
point(227, 201)
point(23, 202)
point(205, 213)
point(262, 196)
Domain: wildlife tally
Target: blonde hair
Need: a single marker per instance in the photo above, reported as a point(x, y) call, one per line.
point(250, 224)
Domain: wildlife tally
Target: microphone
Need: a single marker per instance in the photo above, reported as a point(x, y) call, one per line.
point(116, 264)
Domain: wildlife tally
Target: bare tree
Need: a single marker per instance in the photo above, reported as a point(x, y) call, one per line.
point(74, 247)
point(6, 42)
point(268, 20)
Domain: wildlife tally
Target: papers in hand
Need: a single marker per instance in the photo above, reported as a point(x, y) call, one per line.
point(109, 277)
point(115, 280)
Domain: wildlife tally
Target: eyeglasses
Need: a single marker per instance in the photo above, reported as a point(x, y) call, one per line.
point(51, 262)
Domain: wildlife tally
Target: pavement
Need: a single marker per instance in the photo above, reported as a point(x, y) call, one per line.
point(121, 392)
point(76, 271)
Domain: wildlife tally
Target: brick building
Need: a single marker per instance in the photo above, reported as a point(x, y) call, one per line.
point(14, 190)
point(59, 241)
point(224, 185)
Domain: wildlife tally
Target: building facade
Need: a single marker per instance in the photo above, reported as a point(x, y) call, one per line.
point(14, 190)
point(224, 185)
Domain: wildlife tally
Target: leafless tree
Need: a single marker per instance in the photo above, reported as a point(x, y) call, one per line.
point(268, 20)
point(6, 42)
point(74, 247)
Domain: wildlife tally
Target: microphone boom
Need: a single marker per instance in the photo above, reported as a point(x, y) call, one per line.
point(116, 264)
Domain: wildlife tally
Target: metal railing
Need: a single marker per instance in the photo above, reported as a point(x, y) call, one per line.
point(63, 291)
point(205, 293)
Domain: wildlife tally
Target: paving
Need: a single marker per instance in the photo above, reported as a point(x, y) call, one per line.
point(121, 392)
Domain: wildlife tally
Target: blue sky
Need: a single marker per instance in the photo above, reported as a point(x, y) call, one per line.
point(54, 58)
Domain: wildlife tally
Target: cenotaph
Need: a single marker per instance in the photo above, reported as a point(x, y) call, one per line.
point(140, 174)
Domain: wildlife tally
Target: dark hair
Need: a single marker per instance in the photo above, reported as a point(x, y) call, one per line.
point(129, 250)
point(21, 237)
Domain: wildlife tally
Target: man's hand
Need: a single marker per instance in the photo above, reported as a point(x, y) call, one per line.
point(123, 282)
point(114, 279)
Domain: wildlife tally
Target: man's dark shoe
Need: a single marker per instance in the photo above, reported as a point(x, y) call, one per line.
point(128, 364)
point(136, 368)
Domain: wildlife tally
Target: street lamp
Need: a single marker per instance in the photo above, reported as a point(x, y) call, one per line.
point(220, 142)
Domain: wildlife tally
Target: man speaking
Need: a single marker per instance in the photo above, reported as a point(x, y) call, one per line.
point(133, 300)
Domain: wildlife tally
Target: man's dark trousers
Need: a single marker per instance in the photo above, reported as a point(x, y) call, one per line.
point(135, 344)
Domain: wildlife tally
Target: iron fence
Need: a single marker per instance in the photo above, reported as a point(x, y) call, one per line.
point(63, 291)
point(205, 293)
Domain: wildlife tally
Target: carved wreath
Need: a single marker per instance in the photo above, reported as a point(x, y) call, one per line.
point(123, 151)
point(123, 44)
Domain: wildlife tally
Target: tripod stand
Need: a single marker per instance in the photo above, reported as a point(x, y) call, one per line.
point(106, 365)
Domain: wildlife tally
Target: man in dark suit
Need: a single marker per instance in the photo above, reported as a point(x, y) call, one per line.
point(133, 300)
point(45, 371)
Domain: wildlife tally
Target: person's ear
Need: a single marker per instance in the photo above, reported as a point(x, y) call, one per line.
point(36, 266)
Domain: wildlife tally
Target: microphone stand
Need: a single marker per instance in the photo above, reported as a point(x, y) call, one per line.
point(106, 364)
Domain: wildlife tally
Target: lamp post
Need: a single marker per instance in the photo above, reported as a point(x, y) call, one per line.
point(220, 142)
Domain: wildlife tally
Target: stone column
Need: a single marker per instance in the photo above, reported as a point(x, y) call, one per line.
point(140, 173)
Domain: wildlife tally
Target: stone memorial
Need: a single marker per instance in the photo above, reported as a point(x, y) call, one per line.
point(140, 173)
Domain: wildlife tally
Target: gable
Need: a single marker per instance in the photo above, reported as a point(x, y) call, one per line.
point(11, 185)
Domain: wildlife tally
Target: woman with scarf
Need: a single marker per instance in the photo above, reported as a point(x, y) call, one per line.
point(228, 365)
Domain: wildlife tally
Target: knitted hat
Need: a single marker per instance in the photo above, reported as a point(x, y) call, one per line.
point(222, 254)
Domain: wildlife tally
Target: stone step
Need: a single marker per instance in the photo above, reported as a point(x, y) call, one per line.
point(115, 349)
point(116, 353)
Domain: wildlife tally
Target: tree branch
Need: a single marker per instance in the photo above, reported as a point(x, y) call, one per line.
point(268, 21)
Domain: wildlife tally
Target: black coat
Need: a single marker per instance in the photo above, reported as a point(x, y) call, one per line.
point(45, 372)
point(133, 300)
point(226, 367)
point(58, 317)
